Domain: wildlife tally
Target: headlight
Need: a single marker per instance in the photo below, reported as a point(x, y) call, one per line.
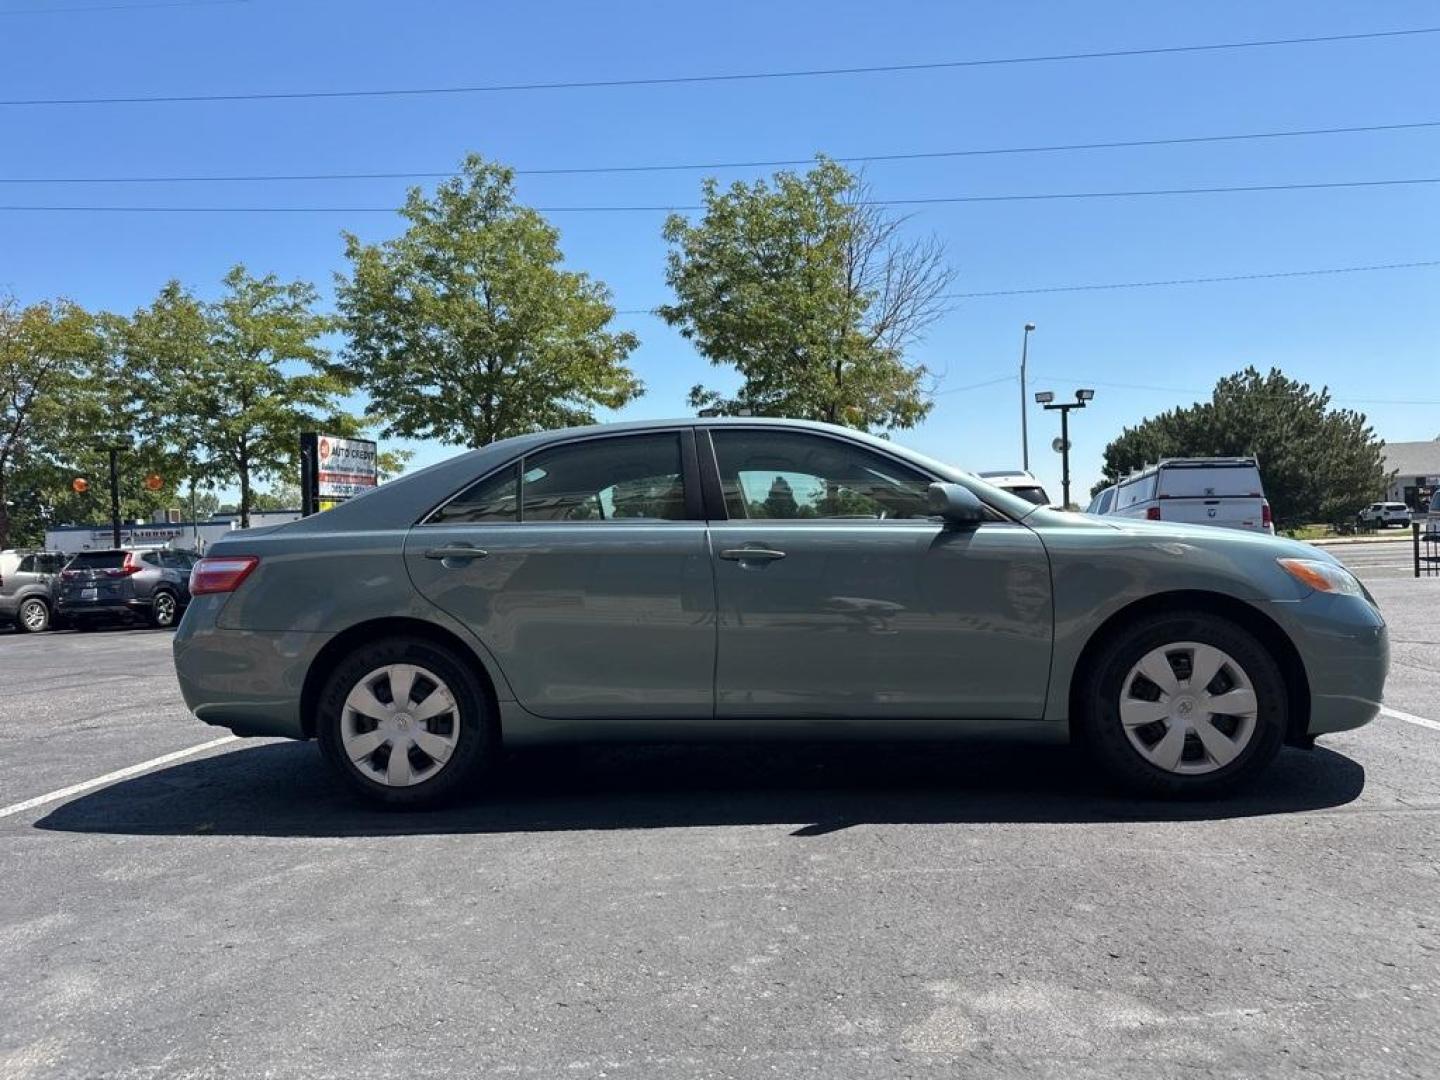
point(1322, 576)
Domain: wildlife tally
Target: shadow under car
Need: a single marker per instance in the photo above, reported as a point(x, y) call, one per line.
point(285, 789)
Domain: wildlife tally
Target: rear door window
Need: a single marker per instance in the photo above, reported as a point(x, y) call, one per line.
point(625, 478)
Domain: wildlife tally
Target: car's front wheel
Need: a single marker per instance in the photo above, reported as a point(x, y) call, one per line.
point(405, 722)
point(1183, 704)
point(33, 616)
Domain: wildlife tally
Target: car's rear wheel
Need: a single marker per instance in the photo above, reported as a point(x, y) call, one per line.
point(164, 609)
point(1183, 704)
point(406, 723)
point(33, 616)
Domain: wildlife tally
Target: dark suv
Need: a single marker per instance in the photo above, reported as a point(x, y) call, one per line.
point(148, 583)
point(28, 581)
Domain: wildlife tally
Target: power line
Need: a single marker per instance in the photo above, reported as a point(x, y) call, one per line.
point(976, 386)
point(1155, 285)
point(936, 200)
point(1202, 393)
point(715, 165)
point(49, 10)
point(1192, 281)
point(803, 73)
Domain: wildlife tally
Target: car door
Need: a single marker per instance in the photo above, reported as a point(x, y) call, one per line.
point(13, 583)
point(584, 568)
point(839, 597)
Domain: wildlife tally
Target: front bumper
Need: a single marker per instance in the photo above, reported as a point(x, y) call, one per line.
point(250, 682)
point(1345, 648)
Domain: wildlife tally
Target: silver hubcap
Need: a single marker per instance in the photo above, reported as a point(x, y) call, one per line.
point(1188, 708)
point(399, 725)
point(164, 608)
point(33, 615)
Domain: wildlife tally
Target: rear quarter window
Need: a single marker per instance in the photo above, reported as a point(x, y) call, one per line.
point(1136, 491)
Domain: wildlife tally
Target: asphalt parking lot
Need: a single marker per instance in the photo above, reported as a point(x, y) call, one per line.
point(979, 909)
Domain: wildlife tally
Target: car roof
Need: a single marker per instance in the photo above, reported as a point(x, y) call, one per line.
point(412, 496)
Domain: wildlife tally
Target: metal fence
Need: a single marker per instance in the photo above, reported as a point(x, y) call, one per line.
point(1425, 536)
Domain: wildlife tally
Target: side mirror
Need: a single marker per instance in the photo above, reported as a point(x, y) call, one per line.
point(957, 504)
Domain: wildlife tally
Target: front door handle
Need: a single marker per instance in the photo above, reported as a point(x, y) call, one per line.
point(456, 553)
point(751, 554)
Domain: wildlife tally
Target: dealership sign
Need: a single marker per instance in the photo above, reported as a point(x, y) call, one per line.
point(333, 469)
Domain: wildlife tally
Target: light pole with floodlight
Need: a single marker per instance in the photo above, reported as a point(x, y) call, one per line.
point(1047, 399)
point(1024, 429)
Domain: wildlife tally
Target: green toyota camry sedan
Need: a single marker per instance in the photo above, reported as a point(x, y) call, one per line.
point(711, 579)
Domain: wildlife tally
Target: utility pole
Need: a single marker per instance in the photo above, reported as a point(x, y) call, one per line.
point(1024, 402)
point(115, 494)
point(1047, 399)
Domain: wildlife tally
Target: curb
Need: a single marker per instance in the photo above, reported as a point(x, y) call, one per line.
point(1342, 541)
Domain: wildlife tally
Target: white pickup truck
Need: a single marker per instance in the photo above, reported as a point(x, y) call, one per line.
point(1199, 491)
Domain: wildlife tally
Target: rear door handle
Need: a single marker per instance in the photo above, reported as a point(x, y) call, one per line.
point(751, 554)
point(460, 553)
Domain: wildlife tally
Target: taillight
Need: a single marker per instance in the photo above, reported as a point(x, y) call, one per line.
point(1152, 513)
point(131, 565)
point(1265, 518)
point(221, 574)
point(69, 575)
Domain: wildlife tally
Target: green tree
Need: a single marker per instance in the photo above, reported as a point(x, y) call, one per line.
point(1319, 464)
point(46, 351)
point(231, 384)
point(466, 329)
point(812, 294)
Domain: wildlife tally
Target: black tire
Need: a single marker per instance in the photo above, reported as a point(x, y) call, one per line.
point(164, 609)
point(476, 728)
point(1097, 719)
point(34, 616)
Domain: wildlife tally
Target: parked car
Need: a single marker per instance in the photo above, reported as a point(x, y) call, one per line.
point(1432, 519)
point(1018, 482)
point(1384, 514)
point(152, 584)
point(1226, 492)
point(1102, 502)
point(750, 579)
point(28, 581)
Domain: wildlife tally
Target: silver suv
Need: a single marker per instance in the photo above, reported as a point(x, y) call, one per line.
point(147, 583)
point(28, 581)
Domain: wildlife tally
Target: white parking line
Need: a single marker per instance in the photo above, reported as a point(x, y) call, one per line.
point(1409, 718)
point(119, 774)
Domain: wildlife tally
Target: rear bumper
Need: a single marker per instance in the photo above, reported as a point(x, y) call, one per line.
point(131, 606)
point(1345, 647)
point(246, 681)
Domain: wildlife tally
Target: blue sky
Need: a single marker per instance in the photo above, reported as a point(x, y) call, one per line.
point(1372, 337)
